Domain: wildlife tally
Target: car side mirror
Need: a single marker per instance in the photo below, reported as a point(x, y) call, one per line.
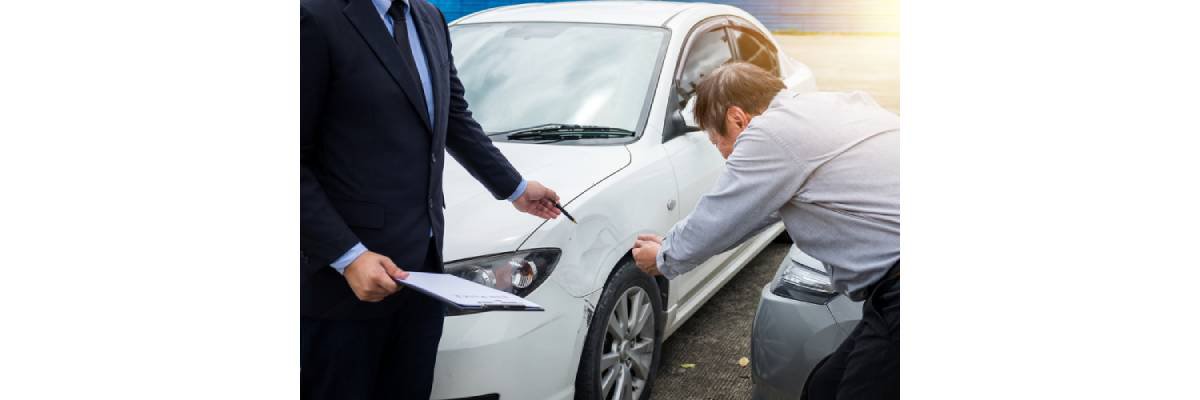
point(680, 122)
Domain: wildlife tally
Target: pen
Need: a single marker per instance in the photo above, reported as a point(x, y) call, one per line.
point(564, 211)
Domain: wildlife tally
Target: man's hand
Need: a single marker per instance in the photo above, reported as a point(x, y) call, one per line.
point(538, 201)
point(371, 276)
point(645, 253)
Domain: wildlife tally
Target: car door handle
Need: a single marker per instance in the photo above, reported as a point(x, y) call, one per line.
point(670, 205)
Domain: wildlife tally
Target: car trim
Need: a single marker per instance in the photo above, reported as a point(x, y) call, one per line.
point(495, 9)
point(734, 253)
point(745, 26)
point(734, 264)
point(684, 49)
point(689, 7)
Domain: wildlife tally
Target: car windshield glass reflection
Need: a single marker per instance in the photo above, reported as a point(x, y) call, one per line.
point(525, 75)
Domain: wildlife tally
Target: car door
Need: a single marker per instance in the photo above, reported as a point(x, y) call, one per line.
point(754, 46)
point(749, 45)
point(695, 160)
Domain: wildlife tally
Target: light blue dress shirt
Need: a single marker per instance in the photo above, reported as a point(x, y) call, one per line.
point(414, 43)
point(418, 54)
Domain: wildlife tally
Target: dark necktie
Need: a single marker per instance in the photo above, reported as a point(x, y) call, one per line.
point(400, 34)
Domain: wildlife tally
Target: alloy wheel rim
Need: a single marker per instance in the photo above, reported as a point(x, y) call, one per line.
point(628, 346)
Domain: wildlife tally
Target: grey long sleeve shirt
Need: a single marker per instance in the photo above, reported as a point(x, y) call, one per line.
point(828, 165)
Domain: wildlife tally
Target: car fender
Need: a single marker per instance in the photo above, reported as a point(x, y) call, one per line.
point(610, 215)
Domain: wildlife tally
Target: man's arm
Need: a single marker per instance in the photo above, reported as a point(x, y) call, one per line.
point(324, 237)
point(466, 141)
point(759, 178)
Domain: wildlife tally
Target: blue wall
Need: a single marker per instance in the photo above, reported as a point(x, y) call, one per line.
point(841, 16)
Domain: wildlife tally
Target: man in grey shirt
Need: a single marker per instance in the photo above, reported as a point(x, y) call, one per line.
point(828, 165)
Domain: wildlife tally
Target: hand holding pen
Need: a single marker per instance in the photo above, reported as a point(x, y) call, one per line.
point(537, 200)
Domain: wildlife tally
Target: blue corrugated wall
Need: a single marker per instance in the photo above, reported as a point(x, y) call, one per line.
point(834, 16)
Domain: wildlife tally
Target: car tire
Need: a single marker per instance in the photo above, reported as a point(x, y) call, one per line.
point(614, 351)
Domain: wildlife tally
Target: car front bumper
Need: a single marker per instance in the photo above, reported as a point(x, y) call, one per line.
point(791, 337)
point(515, 354)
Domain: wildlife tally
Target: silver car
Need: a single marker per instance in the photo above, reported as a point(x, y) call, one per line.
point(800, 321)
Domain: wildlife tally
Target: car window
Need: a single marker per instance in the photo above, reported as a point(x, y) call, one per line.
point(527, 74)
point(753, 49)
point(708, 51)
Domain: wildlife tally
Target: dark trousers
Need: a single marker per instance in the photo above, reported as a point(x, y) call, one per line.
point(384, 358)
point(867, 364)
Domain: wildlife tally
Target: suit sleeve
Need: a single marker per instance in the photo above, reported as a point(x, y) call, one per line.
point(466, 141)
point(324, 236)
point(758, 180)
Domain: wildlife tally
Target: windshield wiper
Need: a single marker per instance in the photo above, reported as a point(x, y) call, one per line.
point(566, 132)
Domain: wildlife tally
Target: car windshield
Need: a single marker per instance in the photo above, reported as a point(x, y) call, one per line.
point(523, 75)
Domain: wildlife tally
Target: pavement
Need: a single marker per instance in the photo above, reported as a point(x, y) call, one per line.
point(716, 337)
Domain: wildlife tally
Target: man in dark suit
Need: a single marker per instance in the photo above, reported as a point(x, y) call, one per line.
point(380, 102)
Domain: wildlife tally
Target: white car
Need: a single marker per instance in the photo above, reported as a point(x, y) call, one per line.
point(587, 98)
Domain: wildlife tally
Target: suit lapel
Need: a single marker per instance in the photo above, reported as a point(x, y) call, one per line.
point(430, 41)
point(366, 20)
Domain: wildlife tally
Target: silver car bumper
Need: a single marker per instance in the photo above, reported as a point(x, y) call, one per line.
point(790, 337)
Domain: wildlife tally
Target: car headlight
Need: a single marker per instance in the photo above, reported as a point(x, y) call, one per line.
point(518, 273)
point(804, 283)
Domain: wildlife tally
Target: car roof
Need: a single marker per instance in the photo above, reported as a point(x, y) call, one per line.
point(648, 13)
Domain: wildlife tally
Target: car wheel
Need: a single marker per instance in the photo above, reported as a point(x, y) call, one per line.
point(621, 352)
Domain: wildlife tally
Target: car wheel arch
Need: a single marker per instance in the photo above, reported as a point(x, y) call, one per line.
point(663, 284)
point(622, 277)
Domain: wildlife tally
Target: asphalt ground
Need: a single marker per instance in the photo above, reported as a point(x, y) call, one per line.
point(716, 337)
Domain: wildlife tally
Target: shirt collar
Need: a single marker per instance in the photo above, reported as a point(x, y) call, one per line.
point(382, 6)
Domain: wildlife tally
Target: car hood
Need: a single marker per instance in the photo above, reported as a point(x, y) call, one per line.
point(478, 224)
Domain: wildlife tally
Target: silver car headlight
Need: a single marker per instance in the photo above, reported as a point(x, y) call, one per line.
point(804, 283)
point(518, 273)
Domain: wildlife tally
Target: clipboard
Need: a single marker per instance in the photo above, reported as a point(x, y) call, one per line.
point(466, 295)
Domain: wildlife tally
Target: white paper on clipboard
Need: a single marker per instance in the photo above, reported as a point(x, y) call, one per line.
point(465, 294)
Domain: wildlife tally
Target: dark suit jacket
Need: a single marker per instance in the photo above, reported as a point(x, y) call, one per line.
point(370, 160)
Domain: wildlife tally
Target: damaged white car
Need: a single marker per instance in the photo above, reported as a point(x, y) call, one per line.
point(589, 98)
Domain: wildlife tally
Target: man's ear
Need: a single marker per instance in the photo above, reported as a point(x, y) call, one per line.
point(738, 116)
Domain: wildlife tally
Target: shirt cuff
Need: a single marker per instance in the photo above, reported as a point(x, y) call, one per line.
point(660, 262)
point(668, 269)
point(344, 261)
point(520, 191)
